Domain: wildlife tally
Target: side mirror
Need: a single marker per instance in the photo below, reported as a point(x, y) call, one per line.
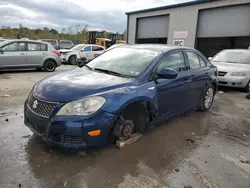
point(167, 74)
point(1, 51)
point(81, 62)
point(210, 59)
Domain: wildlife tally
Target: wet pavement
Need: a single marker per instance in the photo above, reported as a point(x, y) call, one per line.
point(197, 149)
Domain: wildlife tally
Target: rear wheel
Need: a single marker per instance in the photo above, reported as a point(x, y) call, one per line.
point(49, 66)
point(72, 60)
point(207, 98)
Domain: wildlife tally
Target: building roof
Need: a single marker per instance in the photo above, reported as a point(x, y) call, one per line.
point(169, 6)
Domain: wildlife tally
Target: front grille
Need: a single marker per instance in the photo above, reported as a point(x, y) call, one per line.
point(39, 129)
point(221, 73)
point(56, 137)
point(41, 108)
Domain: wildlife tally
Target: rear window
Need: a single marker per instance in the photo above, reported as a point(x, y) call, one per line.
point(66, 42)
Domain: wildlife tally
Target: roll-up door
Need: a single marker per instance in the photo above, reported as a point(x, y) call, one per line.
point(151, 28)
point(224, 22)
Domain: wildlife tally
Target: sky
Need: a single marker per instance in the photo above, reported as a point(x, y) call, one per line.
point(59, 14)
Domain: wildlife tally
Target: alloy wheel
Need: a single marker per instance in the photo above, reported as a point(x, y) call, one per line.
point(209, 97)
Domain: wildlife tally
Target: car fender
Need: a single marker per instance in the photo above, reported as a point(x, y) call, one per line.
point(117, 100)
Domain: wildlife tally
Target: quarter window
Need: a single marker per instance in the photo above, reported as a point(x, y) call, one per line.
point(202, 62)
point(173, 61)
point(193, 60)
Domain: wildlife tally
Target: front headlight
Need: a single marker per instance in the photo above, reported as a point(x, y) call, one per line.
point(83, 107)
point(239, 74)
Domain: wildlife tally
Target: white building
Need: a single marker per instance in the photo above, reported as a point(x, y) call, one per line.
point(208, 25)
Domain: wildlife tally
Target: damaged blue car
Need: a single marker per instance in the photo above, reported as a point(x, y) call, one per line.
point(125, 90)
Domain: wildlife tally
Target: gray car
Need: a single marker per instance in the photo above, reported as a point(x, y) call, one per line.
point(233, 68)
point(18, 54)
point(60, 44)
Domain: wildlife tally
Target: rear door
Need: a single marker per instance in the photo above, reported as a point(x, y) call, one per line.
point(97, 50)
point(86, 52)
point(173, 93)
point(37, 52)
point(14, 55)
point(199, 75)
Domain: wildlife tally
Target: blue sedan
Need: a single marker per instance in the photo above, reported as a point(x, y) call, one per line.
point(126, 90)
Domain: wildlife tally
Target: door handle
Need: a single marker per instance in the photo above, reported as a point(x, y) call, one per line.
point(187, 81)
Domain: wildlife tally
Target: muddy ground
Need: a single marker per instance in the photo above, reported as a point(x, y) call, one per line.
point(197, 150)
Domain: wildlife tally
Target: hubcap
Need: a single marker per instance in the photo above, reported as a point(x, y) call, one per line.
point(208, 98)
point(50, 66)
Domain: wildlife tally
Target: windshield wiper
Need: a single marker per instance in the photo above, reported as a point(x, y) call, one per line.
point(87, 66)
point(111, 72)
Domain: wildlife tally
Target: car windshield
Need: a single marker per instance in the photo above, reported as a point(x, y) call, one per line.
point(233, 57)
point(124, 61)
point(78, 47)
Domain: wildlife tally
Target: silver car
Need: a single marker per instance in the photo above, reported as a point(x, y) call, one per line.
point(19, 54)
point(233, 68)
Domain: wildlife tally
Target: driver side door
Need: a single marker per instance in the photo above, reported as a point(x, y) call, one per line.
point(14, 55)
point(172, 94)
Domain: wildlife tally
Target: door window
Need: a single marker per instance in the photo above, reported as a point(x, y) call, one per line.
point(193, 60)
point(173, 61)
point(87, 49)
point(16, 46)
point(97, 48)
point(37, 47)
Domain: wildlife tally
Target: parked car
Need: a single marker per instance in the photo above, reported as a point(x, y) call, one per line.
point(121, 92)
point(70, 55)
point(28, 54)
point(60, 44)
point(90, 51)
point(234, 68)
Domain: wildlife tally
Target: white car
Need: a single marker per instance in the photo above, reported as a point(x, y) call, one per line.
point(89, 51)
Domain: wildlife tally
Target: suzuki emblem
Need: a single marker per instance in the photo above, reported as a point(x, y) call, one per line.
point(35, 104)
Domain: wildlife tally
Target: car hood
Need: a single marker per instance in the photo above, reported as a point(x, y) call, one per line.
point(231, 67)
point(80, 82)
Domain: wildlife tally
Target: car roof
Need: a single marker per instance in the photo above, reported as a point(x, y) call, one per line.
point(21, 40)
point(156, 47)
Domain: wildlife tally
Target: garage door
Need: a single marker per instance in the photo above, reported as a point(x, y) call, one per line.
point(224, 22)
point(151, 28)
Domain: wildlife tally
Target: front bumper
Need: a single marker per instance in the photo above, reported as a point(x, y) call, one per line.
point(70, 131)
point(233, 81)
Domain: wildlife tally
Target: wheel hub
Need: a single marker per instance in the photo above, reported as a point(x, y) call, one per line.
point(127, 130)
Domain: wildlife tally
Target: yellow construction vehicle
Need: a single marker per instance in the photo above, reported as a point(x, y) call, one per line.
point(103, 42)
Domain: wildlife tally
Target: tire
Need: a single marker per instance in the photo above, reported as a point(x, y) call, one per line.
point(207, 98)
point(247, 88)
point(72, 60)
point(49, 66)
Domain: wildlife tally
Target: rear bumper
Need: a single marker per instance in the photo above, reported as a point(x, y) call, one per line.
point(70, 131)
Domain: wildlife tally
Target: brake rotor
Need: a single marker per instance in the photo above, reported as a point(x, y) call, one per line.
point(127, 130)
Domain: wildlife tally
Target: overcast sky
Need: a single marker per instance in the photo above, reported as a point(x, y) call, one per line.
point(57, 14)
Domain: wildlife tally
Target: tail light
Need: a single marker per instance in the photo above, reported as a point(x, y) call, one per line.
point(56, 52)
